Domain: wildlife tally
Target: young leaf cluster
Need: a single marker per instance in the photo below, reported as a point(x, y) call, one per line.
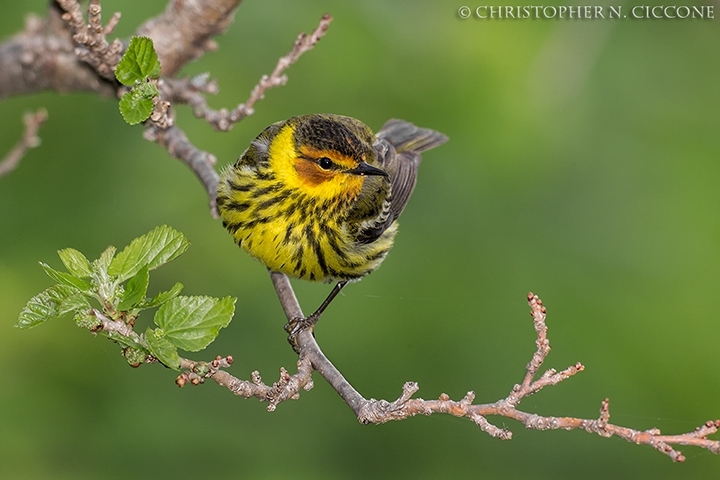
point(113, 288)
point(137, 68)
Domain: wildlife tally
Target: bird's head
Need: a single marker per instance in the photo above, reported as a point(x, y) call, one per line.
point(324, 156)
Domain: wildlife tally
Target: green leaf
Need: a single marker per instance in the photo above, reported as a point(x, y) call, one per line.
point(192, 323)
point(102, 263)
point(163, 297)
point(138, 62)
point(146, 90)
point(162, 348)
point(75, 262)
point(51, 303)
point(74, 303)
point(138, 65)
point(153, 249)
point(135, 290)
point(67, 278)
point(135, 108)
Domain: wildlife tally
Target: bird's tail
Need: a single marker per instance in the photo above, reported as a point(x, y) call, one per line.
point(405, 136)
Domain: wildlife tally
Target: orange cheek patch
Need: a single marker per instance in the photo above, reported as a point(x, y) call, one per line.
point(310, 172)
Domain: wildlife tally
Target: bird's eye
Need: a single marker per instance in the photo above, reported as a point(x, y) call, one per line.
point(325, 163)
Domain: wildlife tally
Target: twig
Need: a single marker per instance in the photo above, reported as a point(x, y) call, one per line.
point(33, 121)
point(303, 43)
point(307, 348)
point(288, 387)
point(190, 91)
point(550, 377)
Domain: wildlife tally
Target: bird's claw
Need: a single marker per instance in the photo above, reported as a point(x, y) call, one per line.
point(297, 325)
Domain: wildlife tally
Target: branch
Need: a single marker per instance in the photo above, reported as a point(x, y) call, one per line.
point(137, 351)
point(286, 388)
point(405, 406)
point(196, 372)
point(307, 348)
point(190, 91)
point(381, 411)
point(277, 78)
point(33, 122)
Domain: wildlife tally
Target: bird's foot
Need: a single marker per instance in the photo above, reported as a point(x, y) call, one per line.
point(297, 325)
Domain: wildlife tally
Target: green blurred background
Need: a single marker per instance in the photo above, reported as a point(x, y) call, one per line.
point(583, 165)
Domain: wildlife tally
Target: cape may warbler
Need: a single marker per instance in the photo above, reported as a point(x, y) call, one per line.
point(317, 196)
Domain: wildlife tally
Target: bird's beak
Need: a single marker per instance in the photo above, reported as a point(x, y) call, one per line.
point(367, 169)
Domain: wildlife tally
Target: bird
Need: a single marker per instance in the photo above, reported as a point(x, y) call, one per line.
point(317, 196)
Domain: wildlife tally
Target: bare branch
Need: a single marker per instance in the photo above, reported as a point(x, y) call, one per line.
point(381, 411)
point(288, 387)
point(277, 78)
point(33, 122)
point(550, 377)
point(190, 91)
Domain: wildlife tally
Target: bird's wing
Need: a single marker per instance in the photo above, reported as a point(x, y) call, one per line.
point(398, 148)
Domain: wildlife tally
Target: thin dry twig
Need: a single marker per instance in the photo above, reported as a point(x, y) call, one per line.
point(288, 387)
point(277, 78)
point(191, 91)
point(33, 121)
